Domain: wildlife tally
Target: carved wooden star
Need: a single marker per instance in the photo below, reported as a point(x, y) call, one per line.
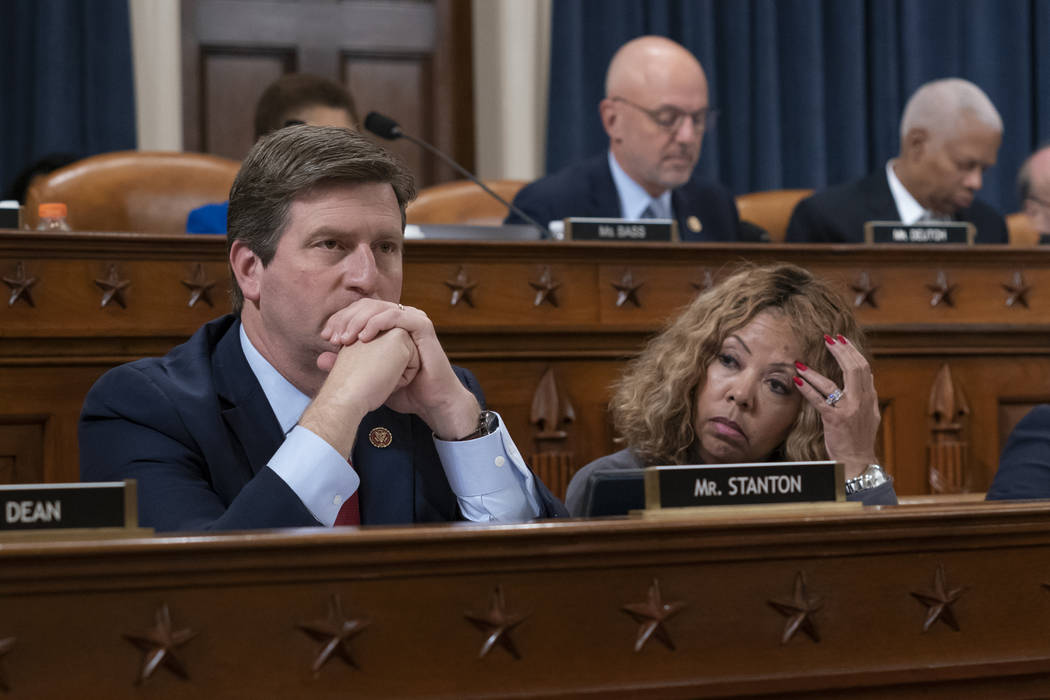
point(20, 286)
point(335, 632)
point(113, 288)
point(942, 291)
point(627, 289)
point(864, 291)
point(6, 645)
point(462, 288)
point(160, 644)
point(199, 286)
point(939, 602)
point(651, 616)
point(497, 624)
point(799, 611)
point(706, 283)
point(545, 288)
point(1018, 291)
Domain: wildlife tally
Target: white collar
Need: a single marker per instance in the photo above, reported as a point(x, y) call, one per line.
point(633, 197)
point(287, 402)
point(908, 208)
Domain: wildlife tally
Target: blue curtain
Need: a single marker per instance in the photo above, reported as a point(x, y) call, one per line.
point(811, 91)
point(66, 80)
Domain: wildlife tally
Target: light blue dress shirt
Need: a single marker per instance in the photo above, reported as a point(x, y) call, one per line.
point(633, 197)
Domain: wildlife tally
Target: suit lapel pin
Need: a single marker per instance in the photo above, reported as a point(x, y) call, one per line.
point(380, 437)
point(694, 224)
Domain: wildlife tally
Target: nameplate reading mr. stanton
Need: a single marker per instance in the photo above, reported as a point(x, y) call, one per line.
point(640, 230)
point(743, 484)
point(68, 506)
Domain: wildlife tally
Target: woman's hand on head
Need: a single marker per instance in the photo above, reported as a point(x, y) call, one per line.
point(852, 422)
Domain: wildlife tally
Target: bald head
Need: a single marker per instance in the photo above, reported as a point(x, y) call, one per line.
point(1033, 183)
point(648, 60)
point(655, 112)
point(941, 105)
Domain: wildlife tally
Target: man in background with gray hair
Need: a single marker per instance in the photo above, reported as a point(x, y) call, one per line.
point(950, 134)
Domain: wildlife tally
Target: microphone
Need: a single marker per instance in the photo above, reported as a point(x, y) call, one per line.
point(384, 126)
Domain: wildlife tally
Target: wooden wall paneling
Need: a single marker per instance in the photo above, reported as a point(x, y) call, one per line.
point(69, 604)
point(231, 83)
point(397, 85)
point(412, 59)
point(21, 450)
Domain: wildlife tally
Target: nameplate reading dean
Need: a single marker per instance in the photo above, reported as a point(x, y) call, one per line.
point(104, 504)
point(942, 232)
point(608, 230)
point(743, 484)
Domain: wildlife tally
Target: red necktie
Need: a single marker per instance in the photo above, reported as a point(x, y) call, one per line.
point(350, 512)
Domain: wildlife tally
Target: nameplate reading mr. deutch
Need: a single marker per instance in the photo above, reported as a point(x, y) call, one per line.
point(936, 232)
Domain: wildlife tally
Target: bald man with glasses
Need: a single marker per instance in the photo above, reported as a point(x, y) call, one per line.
point(656, 113)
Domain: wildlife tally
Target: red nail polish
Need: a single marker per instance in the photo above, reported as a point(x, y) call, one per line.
point(801, 367)
point(829, 340)
point(841, 339)
point(797, 380)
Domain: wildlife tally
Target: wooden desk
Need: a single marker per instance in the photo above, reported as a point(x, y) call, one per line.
point(863, 576)
point(954, 376)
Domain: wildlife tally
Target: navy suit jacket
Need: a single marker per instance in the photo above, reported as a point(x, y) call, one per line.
point(196, 430)
point(1024, 466)
point(838, 214)
point(587, 189)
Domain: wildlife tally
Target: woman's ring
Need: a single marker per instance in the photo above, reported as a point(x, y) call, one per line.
point(834, 397)
point(400, 307)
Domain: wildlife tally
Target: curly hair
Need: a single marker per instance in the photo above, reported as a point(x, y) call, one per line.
point(654, 402)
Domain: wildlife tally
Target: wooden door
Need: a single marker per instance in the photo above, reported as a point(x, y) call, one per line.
point(409, 59)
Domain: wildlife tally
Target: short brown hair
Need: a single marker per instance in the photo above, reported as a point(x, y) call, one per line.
point(292, 92)
point(292, 162)
point(654, 403)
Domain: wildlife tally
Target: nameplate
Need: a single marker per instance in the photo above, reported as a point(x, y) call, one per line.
point(1044, 239)
point(10, 215)
point(940, 232)
point(107, 504)
point(743, 484)
point(606, 230)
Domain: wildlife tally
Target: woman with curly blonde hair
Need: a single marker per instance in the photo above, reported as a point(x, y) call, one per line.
point(768, 365)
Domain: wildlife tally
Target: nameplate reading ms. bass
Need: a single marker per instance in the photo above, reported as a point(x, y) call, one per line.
point(607, 230)
point(106, 504)
point(743, 484)
point(943, 232)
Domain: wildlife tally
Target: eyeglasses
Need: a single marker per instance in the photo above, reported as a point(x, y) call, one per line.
point(670, 118)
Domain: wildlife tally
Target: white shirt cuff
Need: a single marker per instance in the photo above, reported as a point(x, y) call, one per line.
point(490, 478)
point(319, 476)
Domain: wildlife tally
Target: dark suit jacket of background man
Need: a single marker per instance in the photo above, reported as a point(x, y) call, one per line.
point(587, 189)
point(196, 430)
point(838, 214)
point(1024, 466)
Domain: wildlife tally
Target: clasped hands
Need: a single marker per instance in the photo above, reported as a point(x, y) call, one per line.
point(384, 353)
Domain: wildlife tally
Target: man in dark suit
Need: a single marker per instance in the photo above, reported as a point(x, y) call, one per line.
point(321, 400)
point(1024, 466)
point(655, 112)
point(950, 134)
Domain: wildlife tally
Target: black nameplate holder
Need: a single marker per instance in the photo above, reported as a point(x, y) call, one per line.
point(611, 230)
point(702, 485)
point(11, 217)
point(935, 232)
point(61, 508)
